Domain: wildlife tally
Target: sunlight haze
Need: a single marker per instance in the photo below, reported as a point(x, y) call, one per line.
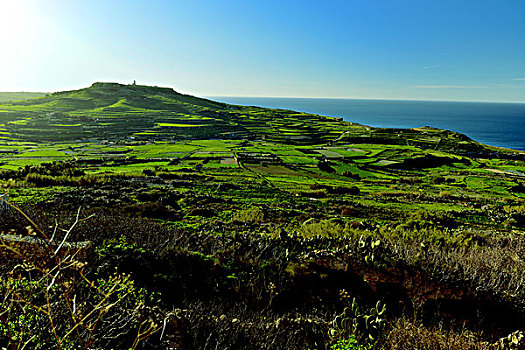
point(447, 50)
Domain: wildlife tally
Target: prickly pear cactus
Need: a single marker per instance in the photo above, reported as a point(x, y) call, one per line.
point(370, 250)
point(366, 326)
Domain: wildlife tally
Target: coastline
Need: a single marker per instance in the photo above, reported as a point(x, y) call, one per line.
point(492, 123)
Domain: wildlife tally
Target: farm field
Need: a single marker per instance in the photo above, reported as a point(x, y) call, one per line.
point(244, 224)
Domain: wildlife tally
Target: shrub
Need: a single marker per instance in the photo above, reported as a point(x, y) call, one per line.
point(324, 165)
point(323, 228)
point(407, 335)
point(48, 302)
point(349, 344)
point(40, 180)
point(253, 214)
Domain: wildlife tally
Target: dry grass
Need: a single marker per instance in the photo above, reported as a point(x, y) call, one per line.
point(409, 335)
point(48, 302)
point(495, 269)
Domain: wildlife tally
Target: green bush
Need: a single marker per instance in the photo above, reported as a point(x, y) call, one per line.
point(253, 214)
point(322, 228)
point(350, 343)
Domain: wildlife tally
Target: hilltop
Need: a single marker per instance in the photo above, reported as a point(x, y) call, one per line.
point(116, 111)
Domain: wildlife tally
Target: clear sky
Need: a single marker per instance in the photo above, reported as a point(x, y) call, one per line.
point(399, 49)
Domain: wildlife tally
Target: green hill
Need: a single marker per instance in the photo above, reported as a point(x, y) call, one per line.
point(115, 111)
point(111, 111)
point(107, 110)
point(19, 96)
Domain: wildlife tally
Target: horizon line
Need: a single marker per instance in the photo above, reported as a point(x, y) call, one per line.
point(299, 97)
point(364, 98)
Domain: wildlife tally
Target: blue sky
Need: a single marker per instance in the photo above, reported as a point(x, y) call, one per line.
point(393, 49)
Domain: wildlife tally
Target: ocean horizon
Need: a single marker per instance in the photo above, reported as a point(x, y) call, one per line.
point(500, 124)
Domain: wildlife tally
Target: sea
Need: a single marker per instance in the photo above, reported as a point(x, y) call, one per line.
point(491, 123)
